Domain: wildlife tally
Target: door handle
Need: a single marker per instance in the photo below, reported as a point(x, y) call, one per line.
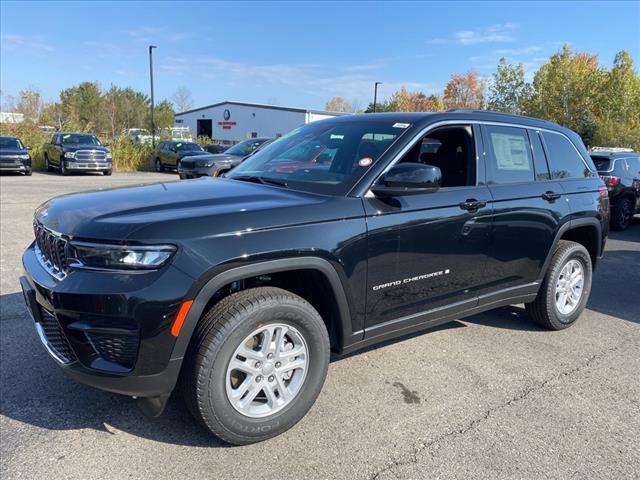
point(550, 196)
point(472, 204)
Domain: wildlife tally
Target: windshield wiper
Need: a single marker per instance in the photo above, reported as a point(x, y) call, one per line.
point(259, 179)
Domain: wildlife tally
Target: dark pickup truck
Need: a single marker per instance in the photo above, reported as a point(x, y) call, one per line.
point(77, 152)
point(238, 288)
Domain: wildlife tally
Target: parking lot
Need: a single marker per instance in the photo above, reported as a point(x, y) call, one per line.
point(491, 396)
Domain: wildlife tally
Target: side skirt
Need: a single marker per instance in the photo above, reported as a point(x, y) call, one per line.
point(431, 318)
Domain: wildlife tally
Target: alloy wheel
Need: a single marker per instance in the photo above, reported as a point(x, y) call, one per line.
point(569, 287)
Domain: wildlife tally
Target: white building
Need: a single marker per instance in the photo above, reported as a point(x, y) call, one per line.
point(231, 122)
point(11, 117)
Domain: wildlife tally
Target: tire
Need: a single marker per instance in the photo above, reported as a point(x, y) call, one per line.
point(621, 215)
point(178, 166)
point(47, 164)
point(63, 169)
point(206, 380)
point(28, 172)
point(544, 310)
point(107, 173)
point(158, 166)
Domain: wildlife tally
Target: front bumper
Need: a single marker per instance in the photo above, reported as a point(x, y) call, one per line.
point(87, 166)
point(186, 174)
point(110, 331)
point(17, 166)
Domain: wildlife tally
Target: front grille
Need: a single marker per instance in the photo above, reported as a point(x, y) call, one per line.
point(54, 338)
point(120, 349)
point(90, 155)
point(51, 250)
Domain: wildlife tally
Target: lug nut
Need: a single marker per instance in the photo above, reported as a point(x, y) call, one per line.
point(278, 364)
point(271, 378)
point(258, 364)
point(270, 356)
point(259, 378)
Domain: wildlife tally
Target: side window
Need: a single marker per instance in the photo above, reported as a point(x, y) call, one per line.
point(452, 150)
point(564, 160)
point(510, 159)
point(539, 159)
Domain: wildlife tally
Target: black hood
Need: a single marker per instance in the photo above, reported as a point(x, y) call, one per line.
point(192, 153)
point(89, 146)
point(13, 151)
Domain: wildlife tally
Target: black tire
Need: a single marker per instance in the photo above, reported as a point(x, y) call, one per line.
point(63, 169)
point(47, 164)
point(621, 214)
point(221, 330)
point(158, 166)
point(107, 172)
point(178, 166)
point(28, 172)
point(543, 310)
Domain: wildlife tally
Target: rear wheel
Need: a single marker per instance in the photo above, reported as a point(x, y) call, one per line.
point(158, 166)
point(256, 364)
point(565, 289)
point(47, 164)
point(621, 215)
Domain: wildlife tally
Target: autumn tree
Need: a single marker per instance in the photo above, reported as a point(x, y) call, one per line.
point(508, 91)
point(182, 100)
point(51, 115)
point(337, 104)
point(163, 115)
point(82, 107)
point(464, 91)
point(29, 103)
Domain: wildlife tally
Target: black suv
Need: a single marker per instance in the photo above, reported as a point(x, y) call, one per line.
point(14, 156)
point(239, 287)
point(77, 152)
point(621, 173)
point(216, 165)
point(169, 154)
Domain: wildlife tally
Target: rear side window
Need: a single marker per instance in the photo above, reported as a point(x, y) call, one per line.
point(564, 160)
point(602, 164)
point(510, 159)
point(539, 159)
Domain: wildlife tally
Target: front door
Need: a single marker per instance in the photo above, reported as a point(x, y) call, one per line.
point(205, 128)
point(429, 251)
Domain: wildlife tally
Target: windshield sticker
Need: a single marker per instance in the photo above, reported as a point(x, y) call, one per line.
point(401, 125)
point(178, 145)
point(64, 137)
point(365, 162)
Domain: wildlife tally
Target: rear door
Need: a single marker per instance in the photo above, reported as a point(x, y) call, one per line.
point(528, 205)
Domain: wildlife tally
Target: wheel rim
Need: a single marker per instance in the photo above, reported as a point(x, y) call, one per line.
point(569, 287)
point(267, 370)
point(157, 165)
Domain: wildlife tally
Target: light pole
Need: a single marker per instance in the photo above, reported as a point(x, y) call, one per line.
point(375, 95)
point(153, 128)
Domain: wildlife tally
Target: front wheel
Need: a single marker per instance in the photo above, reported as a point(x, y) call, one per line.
point(621, 215)
point(63, 168)
point(158, 166)
point(565, 289)
point(107, 172)
point(256, 364)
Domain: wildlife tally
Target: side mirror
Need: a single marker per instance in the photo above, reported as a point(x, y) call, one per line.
point(408, 179)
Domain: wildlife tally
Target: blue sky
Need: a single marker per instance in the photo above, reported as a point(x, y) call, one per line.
point(294, 53)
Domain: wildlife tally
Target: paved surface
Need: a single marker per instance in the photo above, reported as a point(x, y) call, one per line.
point(492, 396)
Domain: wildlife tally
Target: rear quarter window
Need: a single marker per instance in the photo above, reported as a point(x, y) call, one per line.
point(602, 163)
point(510, 155)
point(564, 160)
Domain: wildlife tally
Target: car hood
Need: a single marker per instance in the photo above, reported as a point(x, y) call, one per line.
point(169, 212)
point(12, 151)
point(74, 148)
point(217, 159)
point(191, 153)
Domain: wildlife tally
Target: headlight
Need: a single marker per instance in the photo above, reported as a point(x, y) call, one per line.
point(134, 257)
point(207, 164)
point(24, 157)
point(108, 157)
point(69, 154)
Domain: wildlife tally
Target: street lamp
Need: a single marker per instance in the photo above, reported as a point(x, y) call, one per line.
point(375, 95)
point(153, 128)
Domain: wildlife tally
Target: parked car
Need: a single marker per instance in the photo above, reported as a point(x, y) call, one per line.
point(215, 148)
point(14, 156)
point(620, 171)
point(138, 135)
point(77, 152)
point(216, 165)
point(238, 288)
point(169, 154)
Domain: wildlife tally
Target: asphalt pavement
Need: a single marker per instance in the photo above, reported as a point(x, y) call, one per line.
point(491, 396)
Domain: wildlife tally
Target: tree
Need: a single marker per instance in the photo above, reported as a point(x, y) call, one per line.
point(163, 115)
point(509, 90)
point(337, 104)
point(82, 107)
point(567, 90)
point(182, 100)
point(29, 104)
point(464, 91)
point(51, 115)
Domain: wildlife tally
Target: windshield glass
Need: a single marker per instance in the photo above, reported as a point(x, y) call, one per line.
point(79, 139)
point(243, 149)
point(189, 147)
point(10, 142)
point(327, 157)
point(602, 163)
point(181, 133)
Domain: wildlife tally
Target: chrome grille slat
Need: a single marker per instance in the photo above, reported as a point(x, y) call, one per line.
point(51, 251)
point(90, 155)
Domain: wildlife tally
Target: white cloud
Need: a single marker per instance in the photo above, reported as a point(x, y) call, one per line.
point(34, 42)
point(519, 51)
point(502, 32)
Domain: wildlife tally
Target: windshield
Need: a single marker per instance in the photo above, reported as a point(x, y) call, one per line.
point(327, 157)
point(9, 142)
point(602, 163)
point(79, 139)
point(243, 149)
point(189, 147)
point(182, 133)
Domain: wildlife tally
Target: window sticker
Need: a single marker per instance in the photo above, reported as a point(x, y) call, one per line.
point(178, 145)
point(510, 151)
point(401, 125)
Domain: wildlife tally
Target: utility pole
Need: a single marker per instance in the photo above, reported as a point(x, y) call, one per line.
point(153, 127)
point(375, 95)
